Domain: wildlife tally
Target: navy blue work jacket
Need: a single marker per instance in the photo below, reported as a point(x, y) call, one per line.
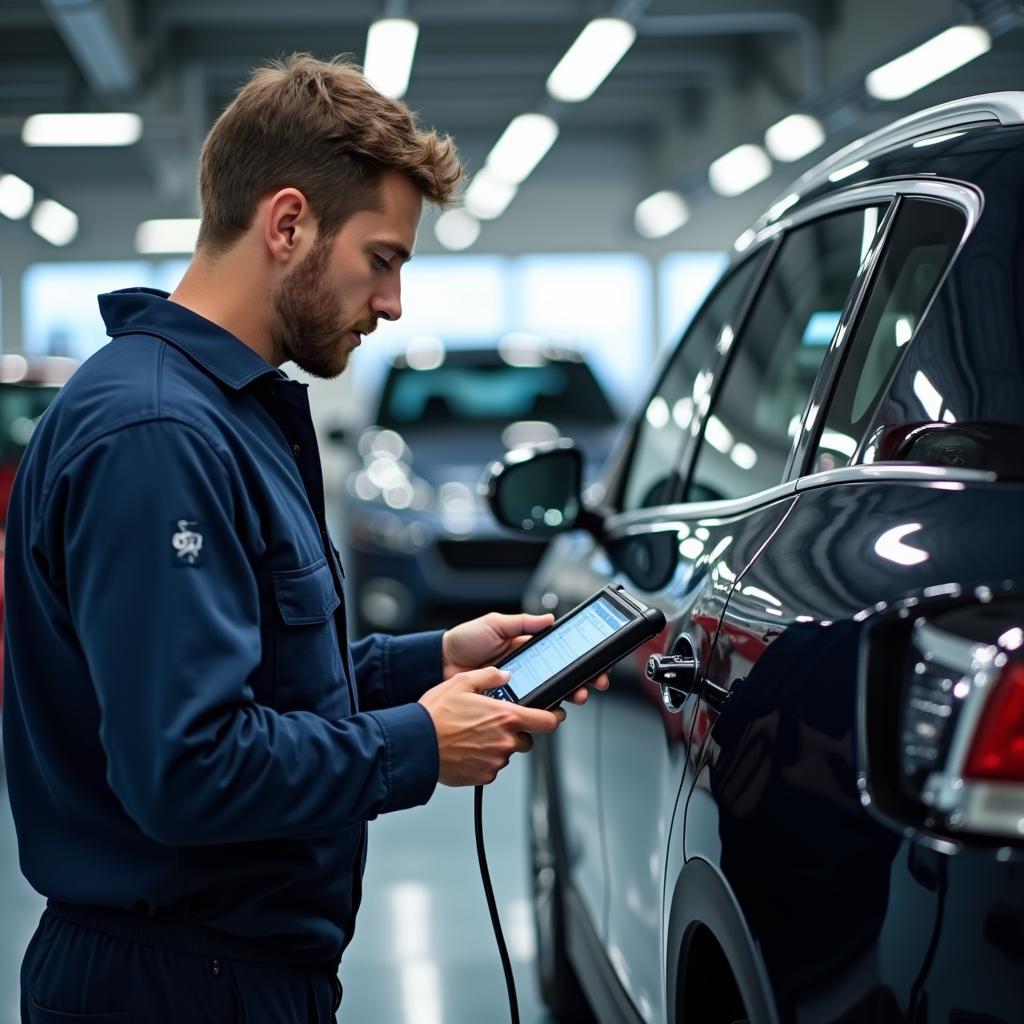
point(187, 732)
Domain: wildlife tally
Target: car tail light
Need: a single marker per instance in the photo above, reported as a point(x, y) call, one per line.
point(998, 748)
point(942, 717)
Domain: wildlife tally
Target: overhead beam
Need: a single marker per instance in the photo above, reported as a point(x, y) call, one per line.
point(97, 34)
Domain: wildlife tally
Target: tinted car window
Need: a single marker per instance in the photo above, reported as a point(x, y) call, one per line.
point(492, 394)
point(924, 237)
point(653, 475)
point(758, 412)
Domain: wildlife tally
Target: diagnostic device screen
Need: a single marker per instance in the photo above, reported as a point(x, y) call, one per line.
point(571, 640)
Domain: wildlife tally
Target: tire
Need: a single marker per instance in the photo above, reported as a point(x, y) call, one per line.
point(559, 985)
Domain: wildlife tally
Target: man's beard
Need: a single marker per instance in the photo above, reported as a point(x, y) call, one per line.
point(310, 323)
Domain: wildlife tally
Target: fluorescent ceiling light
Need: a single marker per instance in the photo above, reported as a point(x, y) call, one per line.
point(390, 46)
point(661, 214)
point(739, 170)
point(81, 130)
point(457, 229)
point(794, 136)
point(919, 67)
point(487, 196)
point(521, 147)
point(16, 196)
point(177, 235)
point(590, 59)
point(56, 223)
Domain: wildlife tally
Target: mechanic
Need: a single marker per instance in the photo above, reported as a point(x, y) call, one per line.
point(193, 749)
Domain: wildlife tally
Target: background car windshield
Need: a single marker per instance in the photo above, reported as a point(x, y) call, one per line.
point(20, 407)
point(495, 394)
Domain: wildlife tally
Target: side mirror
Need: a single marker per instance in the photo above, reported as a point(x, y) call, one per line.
point(537, 489)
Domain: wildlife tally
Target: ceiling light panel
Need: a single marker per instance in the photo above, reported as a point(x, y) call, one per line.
point(82, 129)
point(487, 196)
point(457, 229)
point(390, 48)
point(590, 59)
point(739, 170)
point(56, 223)
point(661, 214)
point(16, 196)
point(928, 62)
point(794, 137)
point(521, 147)
point(169, 235)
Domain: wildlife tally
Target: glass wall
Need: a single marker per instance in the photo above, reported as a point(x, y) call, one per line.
point(602, 304)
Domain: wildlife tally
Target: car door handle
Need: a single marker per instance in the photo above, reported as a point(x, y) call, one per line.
point(678, 676)
point(677, 673)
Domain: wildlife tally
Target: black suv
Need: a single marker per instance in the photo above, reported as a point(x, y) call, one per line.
point(817, 814)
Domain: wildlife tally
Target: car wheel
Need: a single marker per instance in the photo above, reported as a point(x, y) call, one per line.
point(559, 985)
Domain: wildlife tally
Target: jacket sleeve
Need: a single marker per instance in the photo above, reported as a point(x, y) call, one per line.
point(165, 605)
point(394, 670)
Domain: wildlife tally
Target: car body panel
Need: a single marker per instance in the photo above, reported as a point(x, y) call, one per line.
point(744, 812)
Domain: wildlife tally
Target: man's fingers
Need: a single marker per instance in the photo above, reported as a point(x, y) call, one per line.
point(522, 623)
point(535, 720)
point(524, 743)
point(481, 679)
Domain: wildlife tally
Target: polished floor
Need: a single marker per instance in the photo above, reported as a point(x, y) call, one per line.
point(423, 952)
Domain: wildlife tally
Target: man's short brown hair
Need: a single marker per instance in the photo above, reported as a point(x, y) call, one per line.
point(320, 127)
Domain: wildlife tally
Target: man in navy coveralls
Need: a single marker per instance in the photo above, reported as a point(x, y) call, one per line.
point(193, 749)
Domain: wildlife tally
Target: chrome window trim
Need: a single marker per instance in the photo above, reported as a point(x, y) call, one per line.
point(898, 471)
point(886, 189)
point(625, 522)
point(971, 203)
point(963, 195)
point(1004, 108)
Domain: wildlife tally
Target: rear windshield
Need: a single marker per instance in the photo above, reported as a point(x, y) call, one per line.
point(493, 394)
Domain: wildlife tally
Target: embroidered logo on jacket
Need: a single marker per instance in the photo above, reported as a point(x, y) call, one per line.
point(187, 543)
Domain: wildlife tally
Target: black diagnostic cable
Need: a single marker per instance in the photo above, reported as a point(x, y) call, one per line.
point(492, 906)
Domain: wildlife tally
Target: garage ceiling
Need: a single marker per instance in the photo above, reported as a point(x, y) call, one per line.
point(703, 76)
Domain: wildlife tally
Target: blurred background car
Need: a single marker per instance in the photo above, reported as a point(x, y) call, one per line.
point(27, 386)
point(420, 548)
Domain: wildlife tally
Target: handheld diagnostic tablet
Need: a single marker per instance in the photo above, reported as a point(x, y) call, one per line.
point(582, 644)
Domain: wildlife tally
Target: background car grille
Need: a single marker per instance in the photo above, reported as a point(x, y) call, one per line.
point(492, 554)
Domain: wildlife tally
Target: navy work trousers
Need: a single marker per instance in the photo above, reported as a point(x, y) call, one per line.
point(104, 967)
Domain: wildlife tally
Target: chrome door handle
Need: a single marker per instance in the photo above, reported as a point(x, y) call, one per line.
point(676, 674)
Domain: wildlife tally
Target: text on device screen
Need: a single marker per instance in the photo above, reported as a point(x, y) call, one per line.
point(577, 635)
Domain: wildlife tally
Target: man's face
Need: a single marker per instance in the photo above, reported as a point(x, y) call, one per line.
point(346, 283)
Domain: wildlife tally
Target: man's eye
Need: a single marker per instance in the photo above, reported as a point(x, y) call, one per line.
point(379, 262)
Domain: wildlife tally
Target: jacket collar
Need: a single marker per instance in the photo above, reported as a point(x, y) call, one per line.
point(220, 353)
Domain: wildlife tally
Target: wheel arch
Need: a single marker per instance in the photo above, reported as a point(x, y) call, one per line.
point(703, 901)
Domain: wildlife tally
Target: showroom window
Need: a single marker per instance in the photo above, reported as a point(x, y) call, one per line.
point(760, 408)
point(685, 280)
point(923, 239)
point(679, 400)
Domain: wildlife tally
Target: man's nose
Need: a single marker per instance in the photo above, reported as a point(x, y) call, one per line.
point(387, 304)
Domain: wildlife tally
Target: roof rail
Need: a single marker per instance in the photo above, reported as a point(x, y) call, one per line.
point(996, 107)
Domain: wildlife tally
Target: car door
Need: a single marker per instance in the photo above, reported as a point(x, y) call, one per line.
point(775, 806)
point(642, 482)
point(735, 496)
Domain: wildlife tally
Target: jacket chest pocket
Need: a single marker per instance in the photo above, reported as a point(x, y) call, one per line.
point(309, 673)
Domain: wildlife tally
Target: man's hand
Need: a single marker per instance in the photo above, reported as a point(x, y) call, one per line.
point(476, 735)
point(488, 639)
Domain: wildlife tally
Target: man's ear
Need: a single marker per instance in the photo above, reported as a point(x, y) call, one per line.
point(288, 225)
